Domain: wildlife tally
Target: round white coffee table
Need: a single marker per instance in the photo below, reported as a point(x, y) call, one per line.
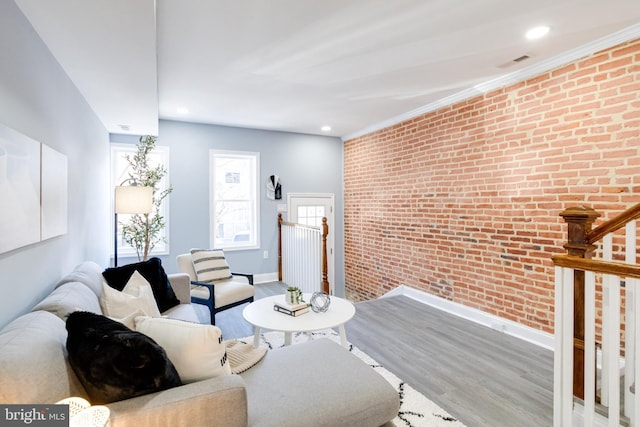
point(261, 315)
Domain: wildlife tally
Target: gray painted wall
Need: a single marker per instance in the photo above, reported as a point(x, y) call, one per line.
point(38, 100)
point(305, 164)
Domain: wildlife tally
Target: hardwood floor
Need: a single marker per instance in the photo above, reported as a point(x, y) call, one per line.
point(480, 376)
point(231, 322)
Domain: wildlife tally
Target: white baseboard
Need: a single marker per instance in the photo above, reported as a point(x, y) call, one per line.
point(509, 327)
point(265, 278)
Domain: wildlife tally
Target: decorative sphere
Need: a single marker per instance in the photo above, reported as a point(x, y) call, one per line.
point(320, 302)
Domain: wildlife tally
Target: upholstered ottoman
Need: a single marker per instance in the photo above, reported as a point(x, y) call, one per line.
point(318, 383)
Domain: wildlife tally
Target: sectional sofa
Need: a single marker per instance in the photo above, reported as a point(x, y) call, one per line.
point(318, 383)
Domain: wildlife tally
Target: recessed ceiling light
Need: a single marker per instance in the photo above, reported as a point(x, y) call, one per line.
point(182, 110)
point(325, 128)
point(537, 32)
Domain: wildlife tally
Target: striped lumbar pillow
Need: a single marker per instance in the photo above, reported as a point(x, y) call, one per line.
point(210, 265)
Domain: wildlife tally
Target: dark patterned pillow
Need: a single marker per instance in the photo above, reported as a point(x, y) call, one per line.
point(117, 278)
point(113, 362)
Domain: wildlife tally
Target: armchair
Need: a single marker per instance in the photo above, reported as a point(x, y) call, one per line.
point(218, 294)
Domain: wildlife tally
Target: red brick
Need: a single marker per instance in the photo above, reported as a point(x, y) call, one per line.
point(463, 202)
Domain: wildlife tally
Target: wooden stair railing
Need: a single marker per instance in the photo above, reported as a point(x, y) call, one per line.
point(324, 282)
point(580, 247)
point(614, 224)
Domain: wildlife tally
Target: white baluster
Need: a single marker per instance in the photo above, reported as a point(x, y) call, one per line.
point(589, 347)
point(567, 351)
point(607, 247)
point(613, 352)
point(630, 326)
point(563, 353)
point(302, 257)
point(557, 354)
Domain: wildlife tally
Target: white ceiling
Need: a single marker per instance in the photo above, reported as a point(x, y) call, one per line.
point(295, 65)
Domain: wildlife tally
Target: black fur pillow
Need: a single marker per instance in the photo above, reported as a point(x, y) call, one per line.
point(152, 271)
point(113, 362)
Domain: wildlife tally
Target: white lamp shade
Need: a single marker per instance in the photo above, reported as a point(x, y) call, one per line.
point(133, 200)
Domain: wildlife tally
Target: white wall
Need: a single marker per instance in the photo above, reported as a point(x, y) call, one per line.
point(305, 164)
point(37, 99)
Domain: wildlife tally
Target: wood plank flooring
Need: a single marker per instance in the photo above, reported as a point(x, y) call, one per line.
point(480, 376)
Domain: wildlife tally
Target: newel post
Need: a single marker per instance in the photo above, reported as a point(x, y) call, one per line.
point(579, 219)
point(325, 232)
point(279, 246)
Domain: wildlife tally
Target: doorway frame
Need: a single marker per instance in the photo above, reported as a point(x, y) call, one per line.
point(330, 197)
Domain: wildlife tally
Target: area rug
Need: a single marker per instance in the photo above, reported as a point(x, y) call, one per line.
point(415, 409)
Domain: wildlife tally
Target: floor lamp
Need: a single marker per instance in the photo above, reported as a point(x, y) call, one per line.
point(132, 199)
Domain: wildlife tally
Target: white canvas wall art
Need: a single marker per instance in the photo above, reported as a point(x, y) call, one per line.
point(33, 191)
point(19, 190)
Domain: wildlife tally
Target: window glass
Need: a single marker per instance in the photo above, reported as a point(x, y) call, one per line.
point(119, 176)
point(234, 200)
point(310, 215)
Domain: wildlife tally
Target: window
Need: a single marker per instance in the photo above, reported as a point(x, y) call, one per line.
point(234, 199)
point(120, 173)
point(311, 215)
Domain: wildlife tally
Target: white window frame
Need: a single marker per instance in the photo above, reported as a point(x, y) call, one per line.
point(120, 150)
point(254, 242)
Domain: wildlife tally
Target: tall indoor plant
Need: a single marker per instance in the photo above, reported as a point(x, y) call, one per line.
point(143, 231)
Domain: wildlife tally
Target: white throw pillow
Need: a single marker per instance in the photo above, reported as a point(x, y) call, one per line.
point(129, 320)
point(136, 295)
point(210, 265)
point(196, 350)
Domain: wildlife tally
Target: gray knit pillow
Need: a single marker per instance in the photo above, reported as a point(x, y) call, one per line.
point(210, 265)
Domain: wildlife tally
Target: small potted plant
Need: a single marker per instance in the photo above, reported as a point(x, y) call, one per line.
point(294, 295)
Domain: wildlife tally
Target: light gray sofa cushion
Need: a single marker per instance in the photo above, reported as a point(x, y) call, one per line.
point(67, 298)
point(186, 312)
point(317, 384)
point(214, 402)
point(33, 364)
point(88, 273)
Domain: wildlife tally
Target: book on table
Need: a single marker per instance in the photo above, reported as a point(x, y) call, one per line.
point(294, 306)
point(300, 309)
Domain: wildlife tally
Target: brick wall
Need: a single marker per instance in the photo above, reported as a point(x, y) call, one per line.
point(463, 202)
